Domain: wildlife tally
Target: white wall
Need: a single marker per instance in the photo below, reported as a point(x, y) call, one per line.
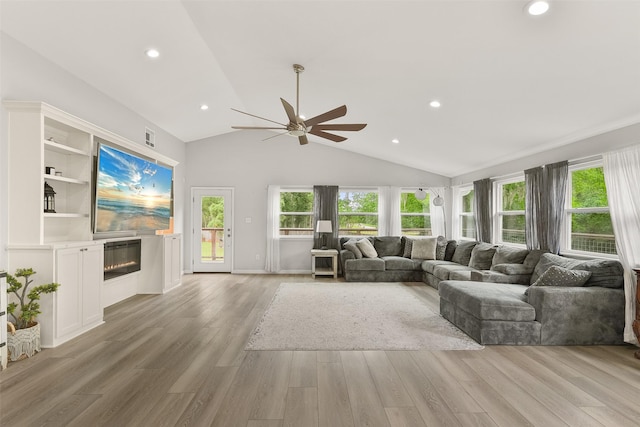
point(27, 76)
point(242, 161)
point(585, 148)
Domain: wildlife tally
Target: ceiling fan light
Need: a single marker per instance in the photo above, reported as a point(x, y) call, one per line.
point(296, 132)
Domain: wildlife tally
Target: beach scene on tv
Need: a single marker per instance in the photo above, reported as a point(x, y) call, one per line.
point(131, 193)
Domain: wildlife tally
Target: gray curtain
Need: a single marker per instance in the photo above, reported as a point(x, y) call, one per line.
point(482, 202)
point(555, 190)
point(544, 208)
point(325, 207)
point(535, 218)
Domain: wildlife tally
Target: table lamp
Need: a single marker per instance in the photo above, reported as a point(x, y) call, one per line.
point(323, 227)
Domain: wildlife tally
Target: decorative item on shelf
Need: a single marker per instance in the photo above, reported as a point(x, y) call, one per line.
point(420, 194)
point(49, 199)
point(324, 227)
point(50, 170)
point(24, 337)
point(58, 173)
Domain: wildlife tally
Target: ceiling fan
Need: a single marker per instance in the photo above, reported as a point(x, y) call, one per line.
point(300, 127)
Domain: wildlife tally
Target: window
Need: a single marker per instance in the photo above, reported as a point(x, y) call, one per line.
point(414, 215)
point(358, 212)
point(588, 222)
point(466, 227)
point(510, 226)
point(296, 213)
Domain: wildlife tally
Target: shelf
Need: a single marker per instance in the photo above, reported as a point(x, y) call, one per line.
point(65, 179)
point(64, 215)
point(63, 149)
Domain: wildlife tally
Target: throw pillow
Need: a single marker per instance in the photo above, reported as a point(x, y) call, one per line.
point(424, 248)
point(462, 255)
point(481, 256)
point(352, 246)
point(367, 249)
point(441, 248)
point(509, 255)
point(408, 244)
point(560, 276)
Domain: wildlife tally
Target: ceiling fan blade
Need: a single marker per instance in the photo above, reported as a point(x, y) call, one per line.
point(291, 114)
point(255, 127)
point(317, 132)
point(258, 117)
point(329, 115)
point(275, 136)
point(341, 126)
point(303, 139)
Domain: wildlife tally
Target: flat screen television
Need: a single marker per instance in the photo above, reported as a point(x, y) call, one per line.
point(132, 193)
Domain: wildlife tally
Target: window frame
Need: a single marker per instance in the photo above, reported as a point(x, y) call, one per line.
point(565, 242)
point(500, 213)
point(377, 214)
point(280, 213)
point(425, 215)
point(459, 193)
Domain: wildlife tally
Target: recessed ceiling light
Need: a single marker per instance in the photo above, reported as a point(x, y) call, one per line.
point(537, 7)
point(395, 141)
point(204, 107)
point(152, 53)
point(435, 104)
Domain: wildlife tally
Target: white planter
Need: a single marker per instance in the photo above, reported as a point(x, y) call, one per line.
point(23, 343)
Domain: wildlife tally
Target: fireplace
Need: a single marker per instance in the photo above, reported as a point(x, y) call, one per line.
point(121, 257)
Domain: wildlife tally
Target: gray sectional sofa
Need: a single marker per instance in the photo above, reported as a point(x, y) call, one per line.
point(552, 310)
point(504, 295)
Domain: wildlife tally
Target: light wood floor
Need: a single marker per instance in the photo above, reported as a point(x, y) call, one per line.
point(178, 359)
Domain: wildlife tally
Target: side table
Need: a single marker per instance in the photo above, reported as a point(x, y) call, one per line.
point(324, 271)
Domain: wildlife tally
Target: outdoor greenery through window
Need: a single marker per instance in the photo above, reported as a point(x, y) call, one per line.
point(588, 219)
point(296, 213)
point(467, 221)
point(358, 213)
point(511, 221)
point(414, 215)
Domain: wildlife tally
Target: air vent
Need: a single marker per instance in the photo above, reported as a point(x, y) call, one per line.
point(149, 138)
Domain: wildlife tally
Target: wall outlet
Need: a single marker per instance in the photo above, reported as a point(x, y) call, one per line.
point(257, 257)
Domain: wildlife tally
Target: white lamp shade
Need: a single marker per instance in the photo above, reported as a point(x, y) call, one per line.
point(438, 201)
point(420, 194)
point(324, 226)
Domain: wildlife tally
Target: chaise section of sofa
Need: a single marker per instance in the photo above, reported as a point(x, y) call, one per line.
point(548, 312)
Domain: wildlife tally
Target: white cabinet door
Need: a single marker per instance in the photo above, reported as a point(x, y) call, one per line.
point(176, 271)
point(92, 275)
point(78, 302)
point(68, 297)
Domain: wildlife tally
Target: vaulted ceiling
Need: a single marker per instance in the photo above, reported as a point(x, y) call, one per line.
point(509, 84)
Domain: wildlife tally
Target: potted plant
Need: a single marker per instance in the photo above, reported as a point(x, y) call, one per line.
point(23, 339)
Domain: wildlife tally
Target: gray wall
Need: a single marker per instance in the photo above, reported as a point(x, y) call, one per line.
point(27, 76)
point(242, 161)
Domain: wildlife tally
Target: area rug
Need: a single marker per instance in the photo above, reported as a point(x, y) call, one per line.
point(353, 316)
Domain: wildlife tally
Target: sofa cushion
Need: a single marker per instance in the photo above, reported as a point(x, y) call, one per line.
point(429, 265)
point(605, 273)
point(424, 248)
point(442, 272)
point(533, 258)
point(509, 255)
point(365, 264)
point(368, 251)
point(488, 301)
point(401, 263)
point(560, 276)
point(352, 246)
point(482, 256)
point(407, 244)
point(511, 269)
point(462, 254)
point(388, 245)
point(445, 247)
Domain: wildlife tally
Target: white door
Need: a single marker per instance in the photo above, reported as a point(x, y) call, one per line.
point(212, 229)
